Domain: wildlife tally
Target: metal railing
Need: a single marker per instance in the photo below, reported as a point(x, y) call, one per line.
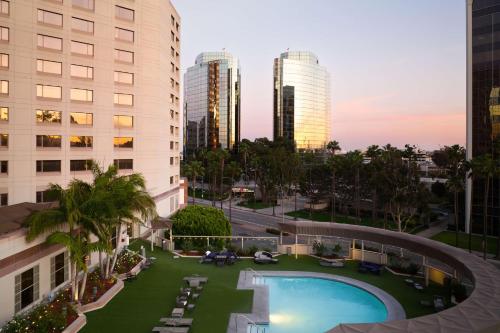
point(250, 325)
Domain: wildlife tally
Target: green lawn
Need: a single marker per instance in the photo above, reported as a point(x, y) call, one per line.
point(254, 205)
point(326, 217)
point(448, 237)
point(139, 306)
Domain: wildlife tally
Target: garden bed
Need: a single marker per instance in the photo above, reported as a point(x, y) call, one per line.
point(126, 262)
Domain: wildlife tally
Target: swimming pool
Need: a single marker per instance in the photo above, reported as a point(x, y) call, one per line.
point(315, 305)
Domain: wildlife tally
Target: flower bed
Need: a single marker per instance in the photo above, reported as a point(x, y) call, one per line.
point(53, 317)
point(126, 261)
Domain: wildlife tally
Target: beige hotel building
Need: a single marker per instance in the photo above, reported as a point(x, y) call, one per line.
point(81, 80)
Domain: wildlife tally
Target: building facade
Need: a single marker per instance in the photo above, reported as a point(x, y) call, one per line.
point(212, 104)
point(301, 100)
point(484, 104)
point(81, 80)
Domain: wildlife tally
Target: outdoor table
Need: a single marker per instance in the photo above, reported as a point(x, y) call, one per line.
point(177, 313)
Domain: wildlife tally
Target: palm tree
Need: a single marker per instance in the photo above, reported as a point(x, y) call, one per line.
point(333, 146)
point(193, 170)
point(222, 156)
point(244, 150)
point(68, 212)
point(355, 161)
point(484, 167)
point(374, 152)
point(234, 171)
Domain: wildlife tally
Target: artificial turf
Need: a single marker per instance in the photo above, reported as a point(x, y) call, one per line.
point(140, 305)
point(449, 237)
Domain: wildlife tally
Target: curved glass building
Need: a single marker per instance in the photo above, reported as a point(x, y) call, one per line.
point(301, 100)
point(212, 102)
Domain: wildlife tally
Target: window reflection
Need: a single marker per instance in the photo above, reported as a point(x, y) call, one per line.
point(81, 118)
point(48, 141)
point(124, 99)
point(123, 121)
point(4, 113)
point(81, 141)
point(81, 95)
point(48, 116)
point(46, 91)
point(123, 142)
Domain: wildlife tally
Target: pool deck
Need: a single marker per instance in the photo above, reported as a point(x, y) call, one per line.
point(239, 322)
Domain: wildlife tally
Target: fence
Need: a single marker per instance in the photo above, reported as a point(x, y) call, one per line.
point(237, 243)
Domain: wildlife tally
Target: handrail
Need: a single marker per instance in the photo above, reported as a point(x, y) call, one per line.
point(250, 322)
point(249, 269)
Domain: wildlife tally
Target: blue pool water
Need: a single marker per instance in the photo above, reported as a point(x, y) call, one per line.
point(315, 305)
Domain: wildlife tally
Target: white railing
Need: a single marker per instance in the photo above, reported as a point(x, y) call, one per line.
point(250, 325)
point(255, 273)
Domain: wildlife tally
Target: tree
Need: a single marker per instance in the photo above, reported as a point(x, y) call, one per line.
point(355, 162)
point(192, 170)
point(484, 167)
point(374, 168)
point(332, 147)
point(234, 172)
point(244, 150)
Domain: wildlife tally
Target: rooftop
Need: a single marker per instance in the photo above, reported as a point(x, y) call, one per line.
point(12, 217)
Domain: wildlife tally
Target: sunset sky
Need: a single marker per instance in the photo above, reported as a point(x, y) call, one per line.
point(397, 67)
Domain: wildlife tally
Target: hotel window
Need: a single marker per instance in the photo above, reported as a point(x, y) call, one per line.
point(4, 34)
point(48, 166)
point(81, 141)
point(172, 98)
point(49, 67)
point(4, 113)
point(171, 179)
point(48, 116)
point(124, 164)
point(172, 19)
point(123, 121)
point(59, 272)
point(85, 4)
point(124, 13)
point(81, 95)
point(26, 288)
point(84, 72)
point(123, 142)
point(4, 87)
point(172, 130)
point(78, 24)
point(172, 52)
point(124, 99)
point(4, 167)
point(172, 36)
point(172, 67)
point(4, 199)
point(48, 141)
point(177, 145)
point(124, 56)
point(172, 83)
point(124, 35)
point(4, 60)
point(177, 27)
point(45, 91)
point(124, 77)
point(172, 114)
point(80, 165)
point(171, 145)
point(4, 7)
point(51, 18)
point(81, 118)
point(49, 42)
point(82, 48)
point(45, 196)
point(171, 161)
point(4, 140)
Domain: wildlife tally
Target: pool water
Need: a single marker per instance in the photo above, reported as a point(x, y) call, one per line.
point(316, 305)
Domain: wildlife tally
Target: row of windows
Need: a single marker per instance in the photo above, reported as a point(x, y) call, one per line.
point(55, 141)
point(43, 166)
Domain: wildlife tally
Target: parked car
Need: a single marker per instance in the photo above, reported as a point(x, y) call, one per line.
point(263, 257)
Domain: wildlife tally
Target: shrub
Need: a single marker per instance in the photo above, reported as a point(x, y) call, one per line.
point(200, 221)
point(337, 248)
point(319, 248)
point(412, 268)
point(252, 249)
point(275, 231)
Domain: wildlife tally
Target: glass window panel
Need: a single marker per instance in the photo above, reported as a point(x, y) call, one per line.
point(4, 33)
point(52, 18)
point(48, 91)
point(48, 116)
point(123, 121)
point(48, 166)
point(4, 87)
point(4, 140)
point(81, 118)
point(80, 165)
point(4, 60)
point(4, 7)
point(82, 95)
point(124, 77)
point(82, 25)
point(82, 48)
point(50, 67)
point(124, 99)
point(49, 42)
point(4, 113)
point(85, 72)
point(124, 56)
point(124, 13)
point(123, 142)
point(124, 34)
point(81, 141)
point(124, 164)
point(85, 4)
point(48, 141)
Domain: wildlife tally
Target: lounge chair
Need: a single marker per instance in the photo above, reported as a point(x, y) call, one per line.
point(332, 263)
point(177, 322)
point(263, 257)
point(369, 267)
point(171, 329)
point(208, 258)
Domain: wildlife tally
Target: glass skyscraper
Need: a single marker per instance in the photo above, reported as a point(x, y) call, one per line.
point(484, 103)
point(212, 102)
point(301, 100)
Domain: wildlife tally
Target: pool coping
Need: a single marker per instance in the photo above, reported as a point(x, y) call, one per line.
point(238, 322)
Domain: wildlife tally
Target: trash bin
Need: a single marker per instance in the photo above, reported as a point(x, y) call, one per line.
point(289, 250)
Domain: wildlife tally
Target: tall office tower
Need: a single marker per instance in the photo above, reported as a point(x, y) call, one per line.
point(212, 102)
point(88, 79)
point(301, 100)
point(484, 104)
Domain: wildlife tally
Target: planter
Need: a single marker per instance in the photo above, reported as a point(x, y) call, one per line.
point(104, 299)
point(76, 325)
point(134, 271)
